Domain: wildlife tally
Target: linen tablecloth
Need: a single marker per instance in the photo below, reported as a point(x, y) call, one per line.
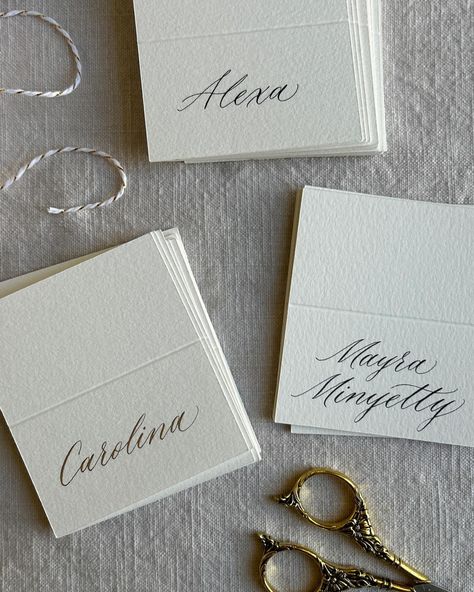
point(236, 221)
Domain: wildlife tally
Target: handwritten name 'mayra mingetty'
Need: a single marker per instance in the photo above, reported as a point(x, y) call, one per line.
point(223, 93)
point(362, 356)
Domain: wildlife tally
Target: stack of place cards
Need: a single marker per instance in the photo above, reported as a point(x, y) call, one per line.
point(226, 80)
point(379, 328)
point(113, 382)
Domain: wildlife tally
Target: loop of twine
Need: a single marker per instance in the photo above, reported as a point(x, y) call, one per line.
point(71, 45)
point(69, 149)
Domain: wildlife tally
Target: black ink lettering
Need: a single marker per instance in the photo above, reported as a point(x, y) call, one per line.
point(365, 356)
point(227, 95)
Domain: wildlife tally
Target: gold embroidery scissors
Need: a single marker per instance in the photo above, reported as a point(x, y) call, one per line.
point(357, 525)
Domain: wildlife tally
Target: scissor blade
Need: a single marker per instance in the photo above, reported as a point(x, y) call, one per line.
point(428, 588)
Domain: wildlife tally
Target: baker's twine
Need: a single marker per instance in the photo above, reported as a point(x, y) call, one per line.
point(70, 149)
point(75, 54)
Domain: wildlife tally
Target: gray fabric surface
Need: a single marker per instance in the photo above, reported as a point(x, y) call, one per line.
point(236, 221)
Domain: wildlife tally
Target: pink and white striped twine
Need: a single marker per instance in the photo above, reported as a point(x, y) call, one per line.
point(49, 94)
point(59, 93)
point(69, 149)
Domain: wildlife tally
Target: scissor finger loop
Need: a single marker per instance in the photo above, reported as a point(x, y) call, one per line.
point(333, 578)
point(271, 548)
point(293, 499)
point(357, 524)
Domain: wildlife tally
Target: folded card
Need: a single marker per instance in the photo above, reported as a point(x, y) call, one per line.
point(379, 329)
point(227, 80)
point(113, 382)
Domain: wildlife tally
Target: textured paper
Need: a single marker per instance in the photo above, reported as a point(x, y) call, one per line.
point(320, 64)
point(295, 429)
point(380, 302)
point(235, 222)
point(107, 351)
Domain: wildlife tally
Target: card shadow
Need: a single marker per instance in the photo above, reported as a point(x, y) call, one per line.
point(17, 492)
point(129, 105)
point(278, 305)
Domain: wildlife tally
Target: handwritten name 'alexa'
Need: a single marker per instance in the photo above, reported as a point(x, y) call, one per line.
point(224, 93)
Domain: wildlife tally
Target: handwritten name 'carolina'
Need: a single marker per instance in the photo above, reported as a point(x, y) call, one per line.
point(75, 463)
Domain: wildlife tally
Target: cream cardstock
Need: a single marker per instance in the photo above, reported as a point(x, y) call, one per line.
point(325, 432)
point(379, 335)
point(113, 382)
point(224, 80)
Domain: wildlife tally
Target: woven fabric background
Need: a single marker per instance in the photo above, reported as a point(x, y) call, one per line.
point(236, 221)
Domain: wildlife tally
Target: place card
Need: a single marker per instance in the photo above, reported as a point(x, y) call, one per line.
point(113, 382)
point(379, 330)
point(225, 81)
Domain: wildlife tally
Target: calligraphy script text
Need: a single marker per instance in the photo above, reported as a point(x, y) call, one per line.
point(362, 356)
point(140, 436)
point(224, 94)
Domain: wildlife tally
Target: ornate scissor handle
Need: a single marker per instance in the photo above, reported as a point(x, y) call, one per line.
point(333, 578)
point(357, 525)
